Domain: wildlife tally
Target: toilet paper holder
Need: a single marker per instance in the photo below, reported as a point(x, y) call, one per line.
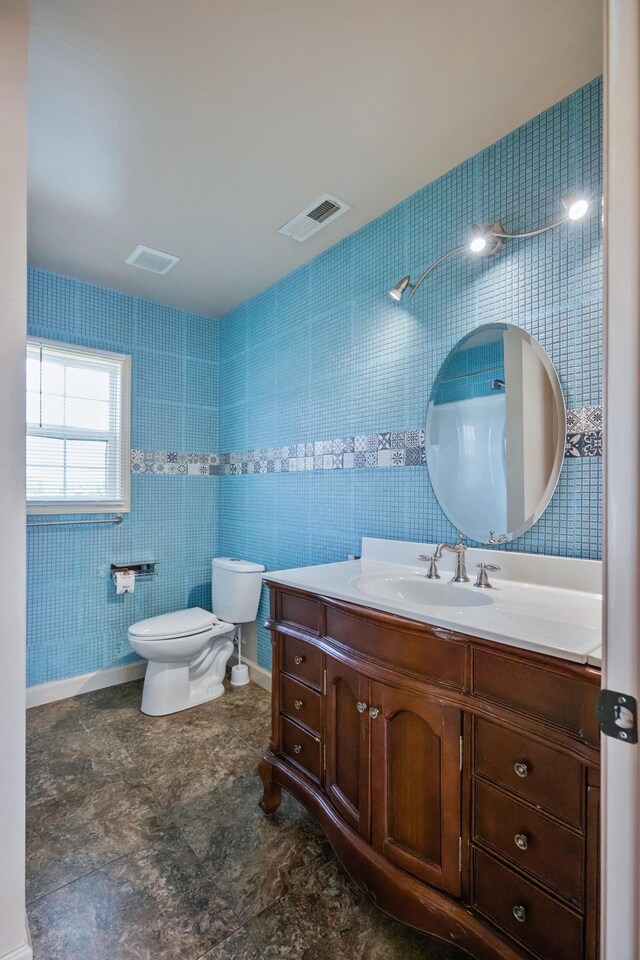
point(141, 569)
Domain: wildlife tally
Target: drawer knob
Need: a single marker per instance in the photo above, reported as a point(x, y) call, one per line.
point(297, 704)
point(520, 914)
point(297, 748)
point(373, 712)
point(521, 769)
point(298, 660)
point(361, 706)
point(521, 841)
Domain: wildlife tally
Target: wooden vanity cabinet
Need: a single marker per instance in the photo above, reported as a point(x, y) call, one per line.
point(456, 779)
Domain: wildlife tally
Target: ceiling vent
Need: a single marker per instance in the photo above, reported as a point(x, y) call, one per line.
point(155, 261)
point(314, 217)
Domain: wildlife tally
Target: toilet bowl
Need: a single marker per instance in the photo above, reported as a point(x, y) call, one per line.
point(188, 650)
point(187, 653)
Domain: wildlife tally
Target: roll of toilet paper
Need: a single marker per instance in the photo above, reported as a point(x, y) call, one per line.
point(125, 581)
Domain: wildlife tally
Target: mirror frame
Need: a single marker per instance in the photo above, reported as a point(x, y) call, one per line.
point(561, 412)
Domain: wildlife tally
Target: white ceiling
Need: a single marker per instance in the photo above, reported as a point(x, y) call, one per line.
point(199, 127)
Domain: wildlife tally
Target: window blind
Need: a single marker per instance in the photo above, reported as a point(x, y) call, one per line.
point(77, 428)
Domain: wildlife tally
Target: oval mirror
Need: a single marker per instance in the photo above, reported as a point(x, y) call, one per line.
point(495, 433)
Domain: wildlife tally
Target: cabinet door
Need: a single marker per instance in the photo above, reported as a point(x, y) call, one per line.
point(415, 784)
point(347, 744)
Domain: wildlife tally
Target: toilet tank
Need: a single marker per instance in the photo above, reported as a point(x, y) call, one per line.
point(235, 589)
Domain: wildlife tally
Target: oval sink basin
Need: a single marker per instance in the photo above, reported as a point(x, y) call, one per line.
point(419, 590)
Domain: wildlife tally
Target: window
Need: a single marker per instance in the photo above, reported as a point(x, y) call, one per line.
point(78, 411)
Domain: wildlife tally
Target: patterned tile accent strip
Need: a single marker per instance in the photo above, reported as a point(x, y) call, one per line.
point(404, 448)
point(173, 464)
point(584, 432)
point(584, 420)
point(588, 444)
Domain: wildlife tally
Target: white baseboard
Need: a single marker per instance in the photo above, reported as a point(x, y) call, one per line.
point(258, 674)
point(72, 686)
point(22, 953)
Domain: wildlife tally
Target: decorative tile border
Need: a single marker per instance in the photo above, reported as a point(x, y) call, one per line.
point(174, 464)
point(584, 432)
point(404, 448)
point(588, 444)
point(584, 420)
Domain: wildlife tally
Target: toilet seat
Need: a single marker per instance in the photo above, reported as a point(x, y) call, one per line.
point(169, 626)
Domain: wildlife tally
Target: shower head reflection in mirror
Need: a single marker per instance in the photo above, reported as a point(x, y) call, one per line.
point(495, 433)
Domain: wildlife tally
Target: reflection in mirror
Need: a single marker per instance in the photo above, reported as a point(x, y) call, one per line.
point(495, 433)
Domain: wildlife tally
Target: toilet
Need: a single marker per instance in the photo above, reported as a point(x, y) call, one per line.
point(188, 650)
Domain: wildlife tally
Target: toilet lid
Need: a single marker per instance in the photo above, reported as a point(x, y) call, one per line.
point(182, 623)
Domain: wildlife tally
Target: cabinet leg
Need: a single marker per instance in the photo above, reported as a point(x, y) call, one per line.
point(272, 794)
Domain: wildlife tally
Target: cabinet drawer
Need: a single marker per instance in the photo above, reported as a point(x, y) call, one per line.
point(302, 660)
point(301, 747)
point(301, 611)
point(301, 704)
point(406, 647)
point(535, 772)
point(551, 853)
point(569, 702)
point(550, 930)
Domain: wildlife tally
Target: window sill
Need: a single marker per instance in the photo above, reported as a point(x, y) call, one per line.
point(59, 509)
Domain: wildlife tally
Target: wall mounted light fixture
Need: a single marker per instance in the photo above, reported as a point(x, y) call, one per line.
point(487, 240)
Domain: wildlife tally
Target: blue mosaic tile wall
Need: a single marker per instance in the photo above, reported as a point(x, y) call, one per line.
point(76, 623)
point(326, 353)
point(233, 421)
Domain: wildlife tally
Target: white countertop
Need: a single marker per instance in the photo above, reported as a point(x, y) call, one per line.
point(547, 604)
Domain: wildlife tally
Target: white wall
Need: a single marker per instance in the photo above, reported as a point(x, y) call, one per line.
point(621, 664)
point(13, 106)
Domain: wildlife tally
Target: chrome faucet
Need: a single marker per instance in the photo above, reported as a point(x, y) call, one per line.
point(460, 549)
point(501, 539)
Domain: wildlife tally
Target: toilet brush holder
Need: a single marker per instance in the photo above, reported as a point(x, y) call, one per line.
point(239, 675)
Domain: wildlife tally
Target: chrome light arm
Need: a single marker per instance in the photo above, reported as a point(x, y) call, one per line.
point(529, 233)
point(490, 238)
point(436, 263)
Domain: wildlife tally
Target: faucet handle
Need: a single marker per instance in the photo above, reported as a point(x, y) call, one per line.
point(433, 567)
point(483, 571)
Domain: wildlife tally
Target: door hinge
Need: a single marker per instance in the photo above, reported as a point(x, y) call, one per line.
point(324, 756)
point(460, 854)
point(461, 751)
point(618, 715)
point(324, 682)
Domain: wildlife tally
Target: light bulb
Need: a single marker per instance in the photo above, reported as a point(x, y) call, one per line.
point(478, 239)
point(575, 206)
point(400, 288)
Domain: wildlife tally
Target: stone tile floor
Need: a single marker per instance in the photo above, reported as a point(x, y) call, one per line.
point(145, 840)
